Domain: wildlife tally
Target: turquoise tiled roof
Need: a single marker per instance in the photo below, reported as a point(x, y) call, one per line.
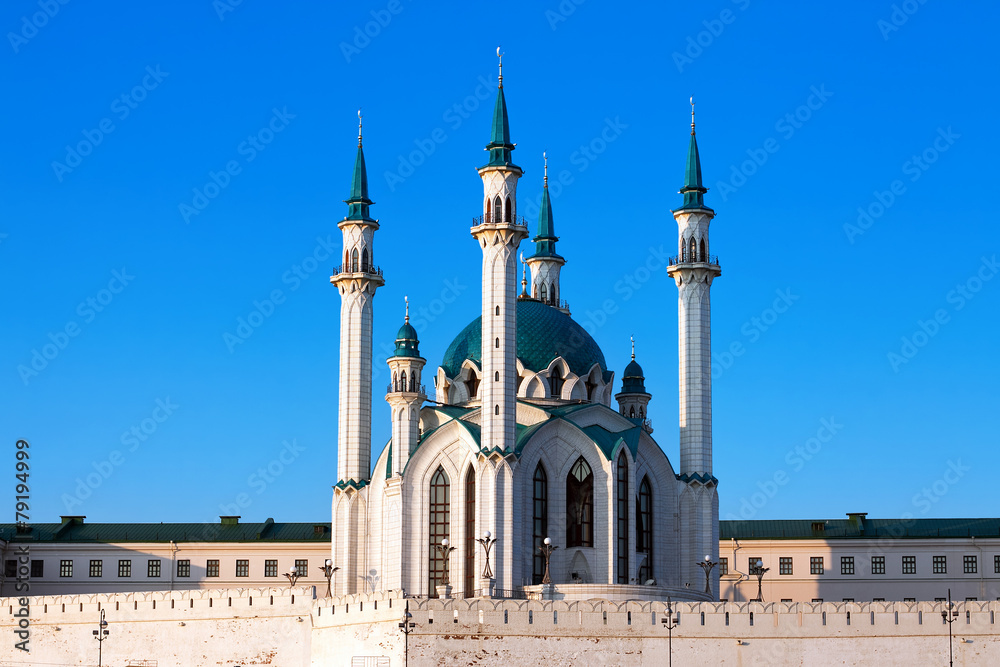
point(867, 528)
point(75, 531)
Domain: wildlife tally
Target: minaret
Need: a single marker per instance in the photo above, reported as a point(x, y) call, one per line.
point(499, 233)
point(694, 269)
point(633, 399)
point(545, 263)
point(405, 394)
point(356, 280)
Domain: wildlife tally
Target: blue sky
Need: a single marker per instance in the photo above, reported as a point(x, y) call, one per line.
point(850, 152)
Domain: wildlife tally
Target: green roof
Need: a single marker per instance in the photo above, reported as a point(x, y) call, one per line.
point(543, 333)
point(545, 241)
point(693, 189)
point(75, 531)
point(500, 146)
point(407, 344)
point(358, 201)
point(793, 529)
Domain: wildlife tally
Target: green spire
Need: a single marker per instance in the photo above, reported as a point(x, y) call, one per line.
point(545, 241)
point(500, 146)
point(693, 189)
point(358, 202)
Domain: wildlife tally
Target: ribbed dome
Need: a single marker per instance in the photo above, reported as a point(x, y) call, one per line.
point(543, 333)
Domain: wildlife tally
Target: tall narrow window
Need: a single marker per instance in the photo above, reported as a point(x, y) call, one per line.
point(693, 251)
point(556, 382)
point(623, 522)
point(506, 213)
point(347, 260)
point(364, 259)
point(354, 260)
point(439, 526)
point(402, 381)
point(704, 257)
point(395, 381)
point(472, 385)
point(496, 376)
point(497, 210)
point(644, 529)
point(470, 533)
point(580, 505)
point(540, 522)
point(486, 207)
point(543, 294)
point(498, 311)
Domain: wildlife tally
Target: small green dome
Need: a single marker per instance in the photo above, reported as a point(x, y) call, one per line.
point(543, 333)
point(633, 379)
point(406, 341)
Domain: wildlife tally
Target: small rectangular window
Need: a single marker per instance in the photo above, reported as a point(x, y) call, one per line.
point(153, 568)
point(65, 568)
point(909, 564)
point(270, 568)
point(847, 566)
point(878, 564)
point(724, 566)
point(38, 568)
point(97, 568)
point(785, 565)
point(848, 600)
point(969, 565)
point(125, 568)
point(752, 563)
point(302, 566)
point(212, 568)
point(786, 599)
point(815, 565)
point(940, 565)
point(996, 564)
point(909, 599)
point(817, 599)
point(242, 568)
point(878, 599)
point(184, 568)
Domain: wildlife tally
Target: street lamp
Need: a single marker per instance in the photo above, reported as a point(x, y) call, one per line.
point(949, 615)
point(707, 565)
point(759, 571)
point(669, 624)
point(293, 576)
point(547, 548)
point(445, 550)
point(487, 540)
point(100, 635)
point(406, 625)
point(328, 569)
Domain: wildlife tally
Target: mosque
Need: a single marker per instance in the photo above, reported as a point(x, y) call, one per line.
point(520, 442)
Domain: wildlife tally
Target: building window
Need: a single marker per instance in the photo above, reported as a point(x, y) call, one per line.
point(65, 568)
point(909, 599)
point(470, 532)
point(301, 566)
point(440, 522)
point(644, 530)
point(785, 565)
point(878, 564)
point(152, 568)
point(723, 566)
point(752, 563)
point(242, 568)
point(37, 568)
point(817, 599)
point(969, 565)
point(270, 568)
point(878, 599)
point(540, 522)
point(556, 383)
point(184, 568)
point(580, 505)
point(815, 565)
point(10, 568)
point(212, 568)
point(996, 564)
point(847, 565)
point(623, 522)
point(848, 600)
point(909, 564)
point(786, 600)
point(940, 565)
point(125, 568)
point(96, 568)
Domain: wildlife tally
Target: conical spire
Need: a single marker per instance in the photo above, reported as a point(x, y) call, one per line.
point(358, 201)
point(500, 146)
point(693, 189)
point(545, 241)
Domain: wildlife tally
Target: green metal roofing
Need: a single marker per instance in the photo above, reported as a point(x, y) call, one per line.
point(545, 241)
point(74, 531)
point(791, 529)
point(543, 333)
point(633, 380)
point(358, 202)
point(407, 344)
point(693, 189)
point(500, 146)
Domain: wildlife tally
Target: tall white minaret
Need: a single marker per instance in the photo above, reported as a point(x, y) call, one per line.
point(405, 394)
point(546, 263)
point(694, 269)
point(356, 280)
point(499, 233)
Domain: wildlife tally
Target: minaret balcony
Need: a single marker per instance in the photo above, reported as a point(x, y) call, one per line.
point(693, 258)
point(489, 220)
point(400, 389)
point(364, 269)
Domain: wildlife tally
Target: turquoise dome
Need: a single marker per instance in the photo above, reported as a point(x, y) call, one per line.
point(543, 333)
point(633, 379)
point(406, 341)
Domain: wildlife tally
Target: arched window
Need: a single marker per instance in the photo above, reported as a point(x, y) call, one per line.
point(440, 509)
point(496, 376)
point(354, 260)
point(621, 480)
point(414, 381)
point(395, 381)
point(347, 259)
point(496, 409)
point(540, 522)
point(704, 256)
point(498, 311)
point(506, 212)
point(472, 385)
point(470, 532)
point(693, 250)
point(402, 381)
point(364, 259)
point(556, 383)
point(497, 210)
point(544, 294)
point(580, 505)
point(631, 412)
point(644, 529)
point(486, 207)
point(497, 344)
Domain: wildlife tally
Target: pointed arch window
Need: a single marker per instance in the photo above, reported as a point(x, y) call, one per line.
point(580, 505)
point(498, 311)
point(472, 385)
point(486, 207)
point(440, 511)
point(506, 211)
point(402, 380)
point(496, 344)
point(395, 381)
point(347, 259)
point(621, 481)
point(631, 412)
point(497, 210)
point(556, 382)
point(644, 529)
point(470, 532)
point(354, 260)
point(364, 260)
point(544, 294)
point(540, 522)
point(693, 250)
point(496, 376)
point(704, 256)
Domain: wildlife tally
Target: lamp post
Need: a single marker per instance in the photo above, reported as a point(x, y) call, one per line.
point(445, 550)
point(487, 540)
point(100, 635)
point(328, 569)
point(707, 565)
point(949, 615)
point(406, 625)
point(293, 576)
point(759, 571)
point(669, 624)
point(547, 548)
